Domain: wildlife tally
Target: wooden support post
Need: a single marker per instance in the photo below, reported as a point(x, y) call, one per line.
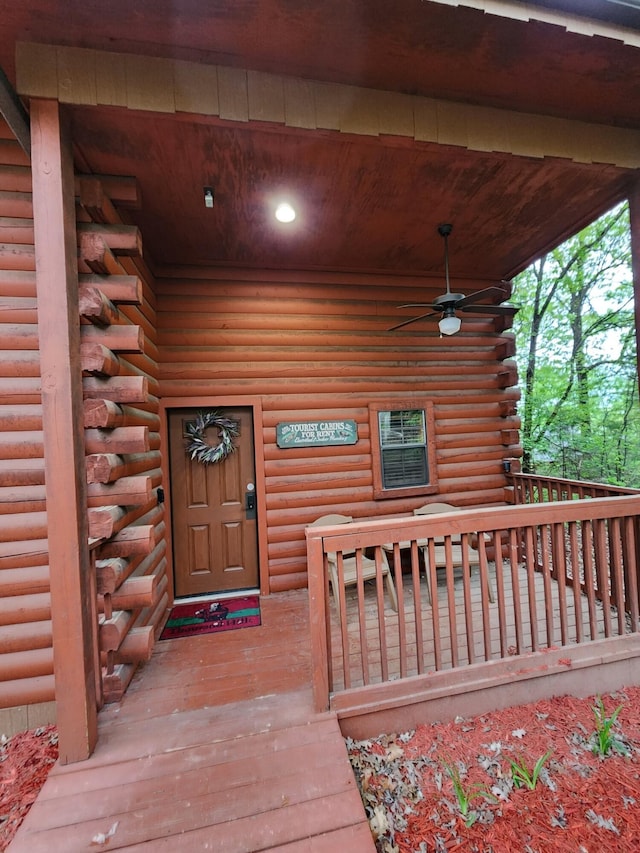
point(73, 595)
point(634, 217)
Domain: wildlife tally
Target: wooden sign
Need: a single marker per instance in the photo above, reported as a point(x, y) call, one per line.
point(316, 433)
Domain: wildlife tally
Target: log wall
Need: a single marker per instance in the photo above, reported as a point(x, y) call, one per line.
point(126, 522)
point(122, 441)
point(26, 653)
point(316, 346)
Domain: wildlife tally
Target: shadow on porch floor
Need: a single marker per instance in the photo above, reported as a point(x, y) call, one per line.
point(215, 747)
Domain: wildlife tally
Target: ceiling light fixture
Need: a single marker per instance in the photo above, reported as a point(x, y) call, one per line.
point(449, 324)
point(208, 196)
point(285, 212)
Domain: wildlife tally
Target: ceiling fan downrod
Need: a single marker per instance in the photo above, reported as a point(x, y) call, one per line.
point(444, 230)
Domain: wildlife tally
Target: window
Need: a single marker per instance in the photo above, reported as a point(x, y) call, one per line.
point(402, 448)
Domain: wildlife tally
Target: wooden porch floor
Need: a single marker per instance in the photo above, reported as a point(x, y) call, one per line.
point(214, 747)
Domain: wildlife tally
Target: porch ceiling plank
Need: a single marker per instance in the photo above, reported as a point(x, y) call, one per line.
point(72, 592)
point(349, 139)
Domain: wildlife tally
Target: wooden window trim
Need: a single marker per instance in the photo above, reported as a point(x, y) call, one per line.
point(379, 492)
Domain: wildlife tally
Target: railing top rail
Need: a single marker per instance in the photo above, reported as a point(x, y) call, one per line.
point(575, 484)
point(362, 533)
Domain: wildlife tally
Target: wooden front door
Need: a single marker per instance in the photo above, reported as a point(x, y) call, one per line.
point(213, 507)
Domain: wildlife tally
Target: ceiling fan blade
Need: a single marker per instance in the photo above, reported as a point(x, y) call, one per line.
point(498, 310)
point(417, 305)
point(413, 320)
point(495, 293)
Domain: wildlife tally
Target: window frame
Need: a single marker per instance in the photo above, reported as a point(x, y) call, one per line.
point(379, 490)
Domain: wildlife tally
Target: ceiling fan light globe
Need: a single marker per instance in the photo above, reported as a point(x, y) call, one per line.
point(449, 325)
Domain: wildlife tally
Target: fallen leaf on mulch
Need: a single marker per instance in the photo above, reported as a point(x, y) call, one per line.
point(25, 762)
point(530, 779)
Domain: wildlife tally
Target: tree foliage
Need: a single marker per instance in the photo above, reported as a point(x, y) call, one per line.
point(576, 344)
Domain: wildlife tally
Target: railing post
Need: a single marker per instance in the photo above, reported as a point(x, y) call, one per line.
point(318, 621)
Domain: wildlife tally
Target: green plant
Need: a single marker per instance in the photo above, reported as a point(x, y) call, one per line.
point(605, 739)
point(466, 794)
point(522, 777)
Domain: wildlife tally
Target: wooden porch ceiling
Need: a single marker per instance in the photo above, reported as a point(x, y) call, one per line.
point(366, 203)
point(362, 205)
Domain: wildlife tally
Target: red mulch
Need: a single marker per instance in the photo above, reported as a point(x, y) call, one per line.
point(25, 762)
point(582, 802)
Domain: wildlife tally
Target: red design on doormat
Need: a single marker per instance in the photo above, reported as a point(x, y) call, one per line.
point(211, 617)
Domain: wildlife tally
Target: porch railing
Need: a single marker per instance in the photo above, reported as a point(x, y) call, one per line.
point(561, 573)
point(534, 488)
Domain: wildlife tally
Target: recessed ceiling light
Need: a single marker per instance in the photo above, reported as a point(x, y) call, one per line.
point(285, 212)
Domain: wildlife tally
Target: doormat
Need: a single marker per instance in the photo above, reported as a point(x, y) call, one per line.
point(212, 617)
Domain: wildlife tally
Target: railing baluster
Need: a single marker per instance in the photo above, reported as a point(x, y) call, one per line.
point(484, 598)
point(402, 624)
point(531, 559)
point(546, 578)
point(560, 573)
point(435, 613)
point(602, 575)
point(631, 566)
point(417, 603)
point(451, 600)
point(502, 617)
point(574, 559)
point(615, 562)
point(466, 593)
point(362, 621)
point(342, 616)
point(589, 574)
point(382, 625)
point(514, 551)
point(326, 606)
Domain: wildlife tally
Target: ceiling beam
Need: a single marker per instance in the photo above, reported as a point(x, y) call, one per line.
point(14, 113)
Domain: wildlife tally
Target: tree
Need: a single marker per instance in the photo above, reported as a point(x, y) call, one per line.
point(576, 352)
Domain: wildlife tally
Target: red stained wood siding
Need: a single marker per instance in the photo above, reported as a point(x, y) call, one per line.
point(119, 360)
point(26, 653)
point(315, 346)
point(118, 354)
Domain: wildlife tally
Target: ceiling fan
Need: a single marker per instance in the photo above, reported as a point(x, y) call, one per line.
point(447, 304)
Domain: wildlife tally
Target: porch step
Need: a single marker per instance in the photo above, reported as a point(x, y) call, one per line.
point(260, 775)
